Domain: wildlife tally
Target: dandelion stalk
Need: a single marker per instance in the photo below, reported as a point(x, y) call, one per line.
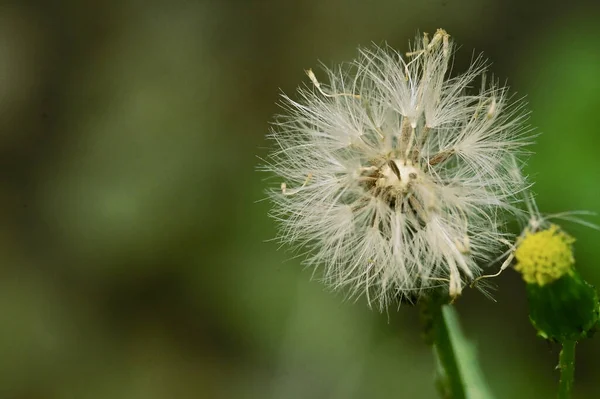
point(459, 375)
point(567, 369)
point(450, 382)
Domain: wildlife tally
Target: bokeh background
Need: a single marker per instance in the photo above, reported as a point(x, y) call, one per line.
point(134, 252)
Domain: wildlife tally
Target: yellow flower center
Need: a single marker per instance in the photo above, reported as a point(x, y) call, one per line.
point(544, 256)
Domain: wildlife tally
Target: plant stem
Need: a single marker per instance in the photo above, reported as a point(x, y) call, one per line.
point(566, 364)
point(450, 381)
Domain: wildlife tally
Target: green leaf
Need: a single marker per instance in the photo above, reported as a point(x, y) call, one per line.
point(472, 378)
point(458, 372)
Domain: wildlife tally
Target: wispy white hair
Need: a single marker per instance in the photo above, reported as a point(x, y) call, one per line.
point(396, 179)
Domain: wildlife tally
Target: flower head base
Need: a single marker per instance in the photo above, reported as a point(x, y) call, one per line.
point(396, 178)
point(562, 305)
point(544, 256)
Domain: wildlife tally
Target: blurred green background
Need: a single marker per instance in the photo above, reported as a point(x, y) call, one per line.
point(133, 245)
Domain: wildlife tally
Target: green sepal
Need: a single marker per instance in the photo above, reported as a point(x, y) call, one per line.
point(564, 310)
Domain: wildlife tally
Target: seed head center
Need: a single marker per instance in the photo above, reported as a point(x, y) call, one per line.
point(399, 174)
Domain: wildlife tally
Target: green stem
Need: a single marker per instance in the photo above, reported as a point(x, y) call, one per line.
point(450, 381)
point(566, 364)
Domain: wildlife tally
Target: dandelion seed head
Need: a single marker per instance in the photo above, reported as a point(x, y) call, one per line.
point(397, 178)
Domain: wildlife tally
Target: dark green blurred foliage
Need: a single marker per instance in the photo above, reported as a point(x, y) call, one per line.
point(135, 260)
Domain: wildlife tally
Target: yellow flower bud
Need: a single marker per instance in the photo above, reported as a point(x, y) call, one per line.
point(544, 256)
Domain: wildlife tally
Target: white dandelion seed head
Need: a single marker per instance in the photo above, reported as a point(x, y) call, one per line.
point(396, 178)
